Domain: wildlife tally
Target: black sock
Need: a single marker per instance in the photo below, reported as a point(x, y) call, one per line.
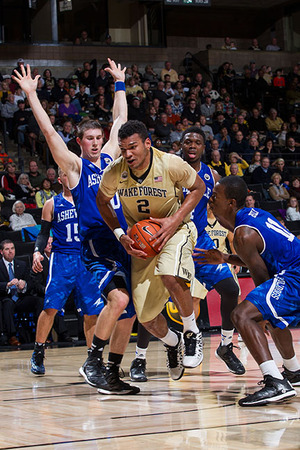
point(114, 359)
point(39, 346)
point(97, 347)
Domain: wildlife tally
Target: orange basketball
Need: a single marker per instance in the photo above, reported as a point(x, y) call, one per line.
point(141, 232)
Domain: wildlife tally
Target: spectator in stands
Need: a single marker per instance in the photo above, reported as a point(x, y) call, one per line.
point(208, 109)
point(15, 288)
point(51, 175)
point(49, 80)
point(23, 190)
point(253, 144)
point(102, 111)
point(172, 118)
point(270, 150)
point(263, 173)
point(229, 108)
point(175, 148)
point(7, 112)
point(160, 94)
point(20, 219)
point(254, 45)
point(250, 201)
point(260, 86)
point(220, 122)
point(280, 168)
point(273, 47)
point(295, 188)
point(256, 122)
point(273, 123)
point(132, 86)
point(255, 161)
point(67, 131)
point(35, 177)
point(207, 130)
point(9, 179)
point(176, 104)
point(4, 158)
point(242, 165)
point(83, 97)
point(289, 153)
point(277, 191)
point(68, 109)
point(84, 38)
point(281, 136)
point(135, 112)
point(163, 129)
point(294, 133)
point(59, 91)
point(176, 135)
point(4, 224)
point(292, 212)
point(20, 121)
point(279, 80)
point(216, 163)
point(234, 169)
point(168, 90)
point(151, 119)
point(169, 71)
point(240, 146)
point(191, 112)
point(179, 90)
point(45, 193)
point(227, 44)
point(224, 139)
point(150, 75)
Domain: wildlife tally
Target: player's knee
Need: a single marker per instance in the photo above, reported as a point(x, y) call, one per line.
point(50, 312)
point(118, 301)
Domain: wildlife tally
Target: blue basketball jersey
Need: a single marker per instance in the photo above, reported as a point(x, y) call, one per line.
point(281, 248)
point(65, 226)
point(199, 215)
point(91, 224)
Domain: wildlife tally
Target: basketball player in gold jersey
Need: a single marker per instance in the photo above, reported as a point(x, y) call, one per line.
point(149, 183)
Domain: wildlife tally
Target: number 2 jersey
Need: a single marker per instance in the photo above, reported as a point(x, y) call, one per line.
point(281, 248)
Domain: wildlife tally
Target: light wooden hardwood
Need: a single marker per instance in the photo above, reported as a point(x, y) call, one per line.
point(60, 411)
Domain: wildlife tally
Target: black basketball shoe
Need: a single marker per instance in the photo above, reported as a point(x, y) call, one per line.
point(93, 371)
point(274, 391)
point(174, 358)
point(37, 361)
point(293, 377)
point(138, 370)
point(115, 386)
point(234, 365)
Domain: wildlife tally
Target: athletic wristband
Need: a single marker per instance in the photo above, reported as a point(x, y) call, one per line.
point(120, 86)
point(118, 232)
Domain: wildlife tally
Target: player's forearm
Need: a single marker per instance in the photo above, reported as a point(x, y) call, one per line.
point(235, 260)
point(107, 212)
point(120, 106)
point(191, 200)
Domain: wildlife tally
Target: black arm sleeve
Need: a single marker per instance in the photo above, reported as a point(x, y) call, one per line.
point(42, 237)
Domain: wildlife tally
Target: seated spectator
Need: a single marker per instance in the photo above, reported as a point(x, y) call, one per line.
point(83, 97)
point(135, 112)
point(24, 190)
point(220, 122)
point(132, 86)
point(216, 163)
point(160, 146)
point(281, 136)
point(163, 129)
point(179, 90)
point(68, 109)
point(15, 287)
point(150, 75)
point(289, 153)
point(227, 44)
point(56, 185)
point(234, 169)
point(279, 80)
point(45, 193)
point(279, 165)
point(169, 71)
point(250, 201)
point(229, 108)
point(207, 109)
point(20, 219)
point(175, 148)
point(223, 139)
point(240, 146)
point(270, 150)
point(172, 118)
point(102, 79)
point(151, 119)
point(254, 45)
point(207, 130)
point(256, 122)
point(292, 212)
point(294, 133)
point(49, 80)
point(35, 177)
point(58, 91)
point(7, 112)
point(176, 135)
point(295, 188)
point(67, 131)
point(263, 173)
point(102, 111)
point(9, 179)
point(273, 47)
point(191, 112)
point(273, 123)
point(255, 161)
point(277, 191)
point(260, 86)
point(242, 165)
point(168, 90)
point(160, 94)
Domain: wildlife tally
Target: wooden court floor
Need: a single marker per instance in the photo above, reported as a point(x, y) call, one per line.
point(59, 411)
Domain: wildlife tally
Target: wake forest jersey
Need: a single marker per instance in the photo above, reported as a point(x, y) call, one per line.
point(91, 224)
point(199, 215)
point(281, 248)
point(65, 226)
point(218, 234)
point(154, 193)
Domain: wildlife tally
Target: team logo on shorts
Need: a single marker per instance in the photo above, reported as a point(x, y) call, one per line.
point(206, 176)
point(124, 175)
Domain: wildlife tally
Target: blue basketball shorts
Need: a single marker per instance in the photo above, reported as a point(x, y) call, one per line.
point(278, 299)
point(66, 272)
point(106, 259)
point(210, 274)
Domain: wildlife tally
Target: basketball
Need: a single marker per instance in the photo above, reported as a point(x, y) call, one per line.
point(141, 232)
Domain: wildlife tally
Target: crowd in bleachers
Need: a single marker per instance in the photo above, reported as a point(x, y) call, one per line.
point(251, 125)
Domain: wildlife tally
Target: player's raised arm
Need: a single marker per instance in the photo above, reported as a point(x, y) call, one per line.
point(119, 108)
point(61, 154)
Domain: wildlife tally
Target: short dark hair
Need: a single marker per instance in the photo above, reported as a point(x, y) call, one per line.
point(235, 187)
point(88, 124)
point(193, 130)
point(4, 242)
point(133, 127)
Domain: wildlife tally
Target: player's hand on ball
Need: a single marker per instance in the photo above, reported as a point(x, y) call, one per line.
point(212, 256)
point(167, 230)
point(36, 263)
point(128, 244)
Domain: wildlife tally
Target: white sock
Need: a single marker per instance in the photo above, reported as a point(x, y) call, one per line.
point(270, 368)
point(226, 336)
point(170, 338)
point(140, 352)
point(291, 364)
point(189, 323)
